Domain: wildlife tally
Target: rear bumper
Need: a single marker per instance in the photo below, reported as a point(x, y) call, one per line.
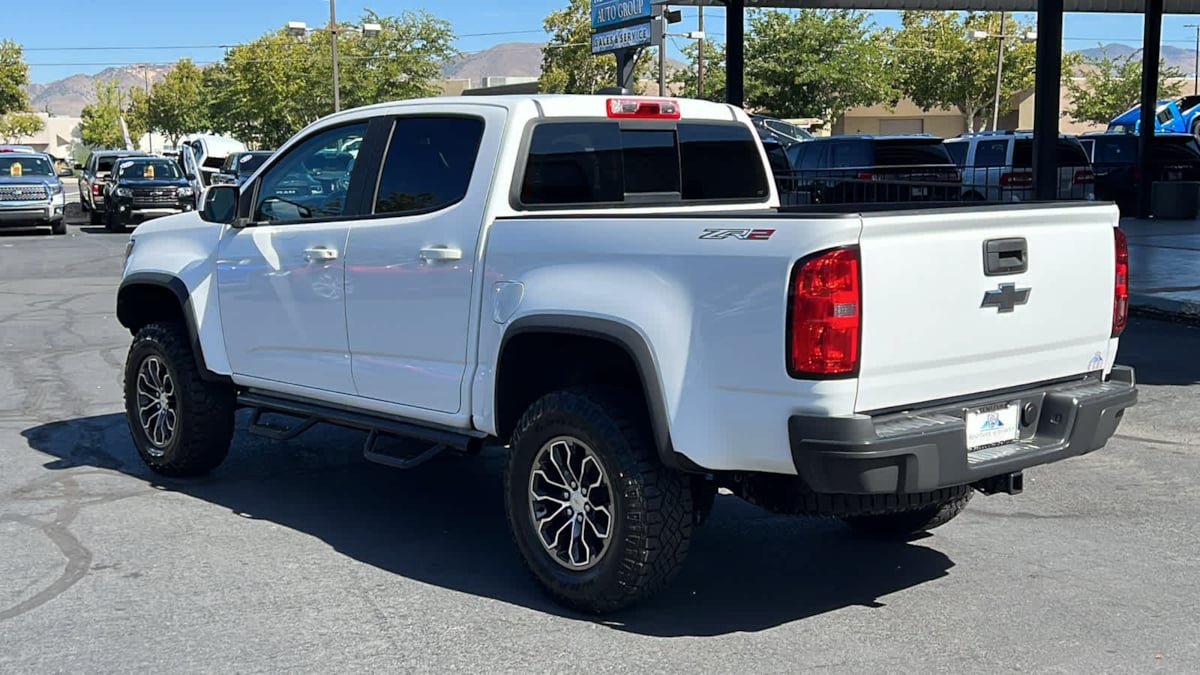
point(927, 450)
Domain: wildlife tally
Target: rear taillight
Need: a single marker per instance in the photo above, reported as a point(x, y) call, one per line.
point(95, 189)
point(865, 175)
point(1084, 176)
point(1016, 179)
point(1120, 315)
point(825, 315)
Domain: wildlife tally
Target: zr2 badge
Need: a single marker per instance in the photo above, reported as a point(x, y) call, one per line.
point(744, 235)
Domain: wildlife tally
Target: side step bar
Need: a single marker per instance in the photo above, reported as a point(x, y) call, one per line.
point(311, 414)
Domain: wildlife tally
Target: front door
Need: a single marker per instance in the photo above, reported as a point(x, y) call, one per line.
point(281, 280)
point(411, 263)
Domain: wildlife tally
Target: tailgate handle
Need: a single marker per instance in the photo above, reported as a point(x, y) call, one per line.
point(1005, 256)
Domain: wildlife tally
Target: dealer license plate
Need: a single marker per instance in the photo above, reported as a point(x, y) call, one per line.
point(993, 425)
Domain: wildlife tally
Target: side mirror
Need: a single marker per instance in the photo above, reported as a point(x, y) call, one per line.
point(79, 167)
point(66, 171)
point(191, 176)
point(220, 204)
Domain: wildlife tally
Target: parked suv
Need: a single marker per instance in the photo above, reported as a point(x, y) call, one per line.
point(140, 188)
point(1173, 157)
point(30, 192)
point(864, 169)
point(997, 166)
point(92, 174)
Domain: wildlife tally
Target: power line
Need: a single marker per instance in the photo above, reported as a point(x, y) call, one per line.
point(129, 48)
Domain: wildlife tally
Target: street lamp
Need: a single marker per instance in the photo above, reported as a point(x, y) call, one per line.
point(300, 29)
point(1029, 36)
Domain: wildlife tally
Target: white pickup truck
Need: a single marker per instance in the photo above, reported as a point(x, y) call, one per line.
point(606, 288)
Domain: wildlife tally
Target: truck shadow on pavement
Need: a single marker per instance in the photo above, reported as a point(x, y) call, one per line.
point(443, 524)
point(1147, 341)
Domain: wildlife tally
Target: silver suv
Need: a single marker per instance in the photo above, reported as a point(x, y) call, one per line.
point(997, 166)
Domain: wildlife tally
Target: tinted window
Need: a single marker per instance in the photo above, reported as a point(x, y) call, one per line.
point(990, 154)
point(708, 152)
point(851, 154)
point(958, 153)
point(429, 163)
point(814, 156)
point(598, 162)
point(910, 152)
point(1176, 149)
point(1164, 116)
point(1069, 153)
point(651, 161)
point(777, 157)
point(311, 181)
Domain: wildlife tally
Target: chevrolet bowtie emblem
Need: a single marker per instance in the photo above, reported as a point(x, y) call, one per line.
point(1005, 298)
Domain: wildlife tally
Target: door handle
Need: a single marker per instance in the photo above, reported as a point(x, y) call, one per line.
point(320, 254)
point(440, 253)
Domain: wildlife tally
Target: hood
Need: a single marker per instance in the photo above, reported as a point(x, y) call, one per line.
point(48, 181)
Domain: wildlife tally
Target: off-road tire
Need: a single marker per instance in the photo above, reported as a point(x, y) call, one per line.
point(652, 516)
point(908, 523)
point(58, 227)
point(204, 410)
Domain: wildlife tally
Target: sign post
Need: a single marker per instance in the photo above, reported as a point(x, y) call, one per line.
point(622, 28)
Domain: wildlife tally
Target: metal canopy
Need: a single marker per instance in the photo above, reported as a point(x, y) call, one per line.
point(1116, 6)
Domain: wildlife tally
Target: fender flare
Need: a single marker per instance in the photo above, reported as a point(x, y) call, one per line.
point(638, 349)
point(182, 295)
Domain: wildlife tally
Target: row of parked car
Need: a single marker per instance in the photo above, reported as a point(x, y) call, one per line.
point(992, 166)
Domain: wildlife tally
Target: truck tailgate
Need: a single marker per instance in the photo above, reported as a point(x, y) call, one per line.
point(936, 326)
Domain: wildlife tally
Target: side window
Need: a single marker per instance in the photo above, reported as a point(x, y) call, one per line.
point(574, 163)
point(989, 154)
point(815, 157)
point(958, 153)
point(429, 163)
point(1165, 116)
point(311, 181)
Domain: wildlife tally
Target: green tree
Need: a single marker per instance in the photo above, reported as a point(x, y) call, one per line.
point(178, 103)
point(714, 71)
point(568, 66)
point(404, 61)
point(101, 121)
point(14, 125)
point(1109, 86)
point(14, 75)
point(814, 63)
point(941, 66)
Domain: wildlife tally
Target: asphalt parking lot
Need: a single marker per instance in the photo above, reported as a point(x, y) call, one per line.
point(304, 557)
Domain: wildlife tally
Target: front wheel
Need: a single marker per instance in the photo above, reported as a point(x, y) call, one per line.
point(58, 227)
point(112, 222)
point(181, 424)
point(907, 523)
point(599, 521)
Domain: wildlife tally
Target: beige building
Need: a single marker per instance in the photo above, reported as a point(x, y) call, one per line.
point(908, 118)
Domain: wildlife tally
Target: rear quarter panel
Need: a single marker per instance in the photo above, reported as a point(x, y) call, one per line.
point(711, 312)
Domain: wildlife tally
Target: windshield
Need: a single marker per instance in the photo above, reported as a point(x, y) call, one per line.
point(25, 166)
point(247, 164)
point(149, 169)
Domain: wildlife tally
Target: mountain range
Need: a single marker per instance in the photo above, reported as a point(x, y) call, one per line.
point(512, 59)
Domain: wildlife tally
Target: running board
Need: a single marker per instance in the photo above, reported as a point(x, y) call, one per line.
point(310, 414)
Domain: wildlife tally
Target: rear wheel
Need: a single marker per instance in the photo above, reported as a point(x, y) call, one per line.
point(599, 521)
point(905, 524)
point(181, 424)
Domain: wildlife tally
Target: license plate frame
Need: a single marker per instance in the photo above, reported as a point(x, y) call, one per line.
point(992, 426)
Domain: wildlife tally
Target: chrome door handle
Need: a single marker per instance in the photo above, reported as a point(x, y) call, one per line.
point(320, 254)
point(440, 253)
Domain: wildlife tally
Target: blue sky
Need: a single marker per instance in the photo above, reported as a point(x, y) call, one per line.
point(161, 31)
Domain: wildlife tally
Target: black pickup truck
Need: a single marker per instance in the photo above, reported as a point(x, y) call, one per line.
point(145, 187)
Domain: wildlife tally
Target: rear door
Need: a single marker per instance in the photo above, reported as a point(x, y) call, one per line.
point(937, 325)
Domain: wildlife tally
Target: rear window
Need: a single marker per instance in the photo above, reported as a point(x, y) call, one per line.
point(957, 152)
point(1123, 149)
point(248, 164)
point(1069, 152)
point(910, 152)
point(1176, 149)
point(603, 163)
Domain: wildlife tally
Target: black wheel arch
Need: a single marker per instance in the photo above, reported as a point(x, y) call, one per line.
point(631, 343)
point(145, 297)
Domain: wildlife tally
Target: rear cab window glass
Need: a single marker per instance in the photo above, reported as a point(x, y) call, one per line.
point(428, 165)
point(600, 162)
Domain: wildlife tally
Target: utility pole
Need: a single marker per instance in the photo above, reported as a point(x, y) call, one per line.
point(146, 77)
point(337, 91)
point(1196, 69)
point(999, 73)
point(700, 62)
point(662, 55)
